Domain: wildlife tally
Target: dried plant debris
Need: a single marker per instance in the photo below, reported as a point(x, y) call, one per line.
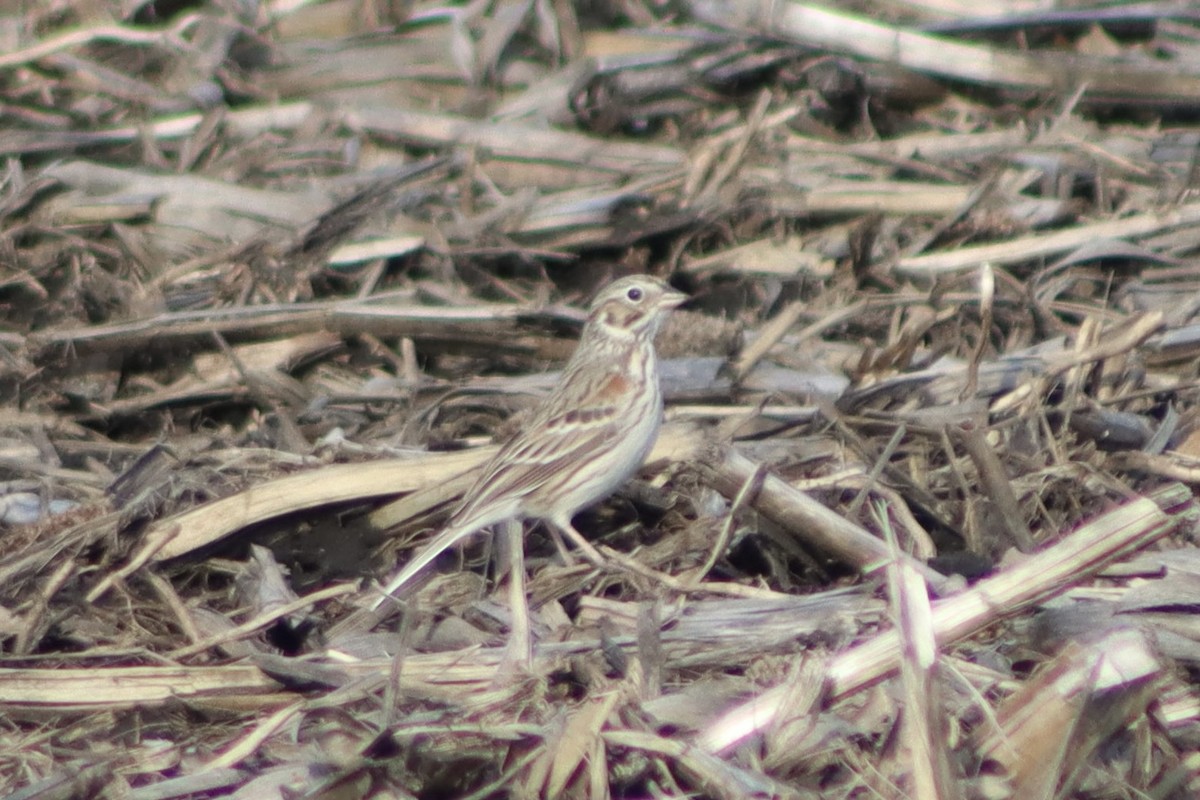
point(276, 278)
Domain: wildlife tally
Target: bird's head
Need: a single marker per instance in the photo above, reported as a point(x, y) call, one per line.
point(633, 307)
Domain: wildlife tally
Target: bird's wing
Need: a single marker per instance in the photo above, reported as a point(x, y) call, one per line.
point(528, 462)
point(559, 437)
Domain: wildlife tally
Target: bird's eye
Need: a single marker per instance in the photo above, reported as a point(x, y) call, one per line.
point(634, 294)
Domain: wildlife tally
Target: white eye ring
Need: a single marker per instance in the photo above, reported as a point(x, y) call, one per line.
point(634, 294)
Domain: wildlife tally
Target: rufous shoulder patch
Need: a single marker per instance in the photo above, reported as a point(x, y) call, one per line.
point(613, 388)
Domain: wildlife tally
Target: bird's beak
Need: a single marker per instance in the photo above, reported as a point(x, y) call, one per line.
point(673, 299)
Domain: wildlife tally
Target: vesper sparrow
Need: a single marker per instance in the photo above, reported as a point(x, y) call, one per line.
point(586, 437)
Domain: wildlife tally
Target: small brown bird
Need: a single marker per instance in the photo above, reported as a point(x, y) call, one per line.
point(586, 438)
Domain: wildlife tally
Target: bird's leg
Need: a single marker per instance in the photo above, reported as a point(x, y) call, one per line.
point(559, 545)
point(589, 552)
point(519, 652)
point(612, 561)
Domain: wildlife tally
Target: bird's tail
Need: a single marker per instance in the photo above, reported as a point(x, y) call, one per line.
point(432, 549)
